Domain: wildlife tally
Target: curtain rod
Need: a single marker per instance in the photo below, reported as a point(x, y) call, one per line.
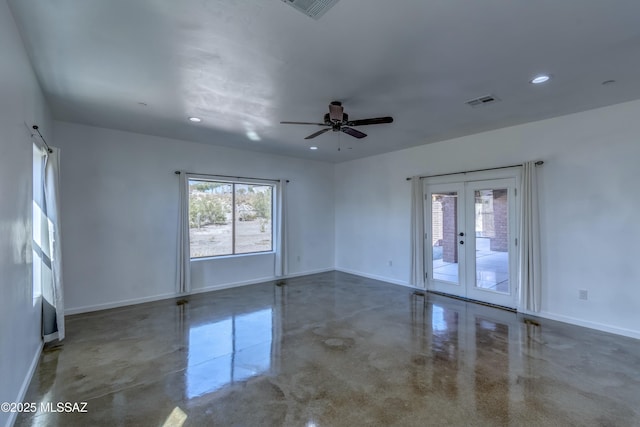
point(229, 176)
point(37, 129)
point(538, 163)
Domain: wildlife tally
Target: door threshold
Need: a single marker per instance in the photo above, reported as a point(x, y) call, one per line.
point(475, 301)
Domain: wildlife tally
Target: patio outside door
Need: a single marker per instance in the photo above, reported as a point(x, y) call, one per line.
point(470, 239)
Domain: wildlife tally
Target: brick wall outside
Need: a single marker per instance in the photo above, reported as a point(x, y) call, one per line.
point(500, 240)
point(436, 222)
point(450, 229)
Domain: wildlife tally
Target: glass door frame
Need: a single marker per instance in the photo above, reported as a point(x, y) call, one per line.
point(433, 283)
point(508, 299)
point(466, 184)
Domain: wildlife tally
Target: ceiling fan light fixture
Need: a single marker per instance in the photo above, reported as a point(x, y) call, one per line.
point(336, 112)
point(542, 78)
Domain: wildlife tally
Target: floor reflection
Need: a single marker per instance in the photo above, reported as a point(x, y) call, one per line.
point(492, 368)
point(444, 349)
point(438, 322)
point(468, 355)
point(229, 350)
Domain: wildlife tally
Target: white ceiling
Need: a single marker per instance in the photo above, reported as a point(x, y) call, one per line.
point(245, 65)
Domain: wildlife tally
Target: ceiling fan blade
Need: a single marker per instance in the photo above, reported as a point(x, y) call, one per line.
point(302, 123)
point(374, 121)
point(353, 132)
point(320, 132)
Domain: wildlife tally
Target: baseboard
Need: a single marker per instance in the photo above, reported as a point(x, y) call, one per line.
point(376, 277)
point(308, 273)
point(25, 384)
point(160, 297)
point(122, 303)
point(630, 333)
point(545, 315)
point(229, 285)
point(255, 281)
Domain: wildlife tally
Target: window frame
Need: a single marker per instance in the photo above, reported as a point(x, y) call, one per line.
point(233, 182)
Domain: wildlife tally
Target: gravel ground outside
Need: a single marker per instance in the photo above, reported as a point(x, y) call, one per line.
point(214, 240)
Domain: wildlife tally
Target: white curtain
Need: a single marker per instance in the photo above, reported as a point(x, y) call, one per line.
point(184, 254)
point(529, 256)
point(281, 267)
point(417, 232)
point(51, 253)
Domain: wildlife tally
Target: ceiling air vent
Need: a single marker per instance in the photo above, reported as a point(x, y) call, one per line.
point(312, 8)
point(483, 100)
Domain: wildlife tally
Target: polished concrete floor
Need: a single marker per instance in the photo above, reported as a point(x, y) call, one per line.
point(334, 349)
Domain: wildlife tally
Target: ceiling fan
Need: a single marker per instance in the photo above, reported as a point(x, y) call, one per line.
point(338, 121)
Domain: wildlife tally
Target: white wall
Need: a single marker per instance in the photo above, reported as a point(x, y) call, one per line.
point(20, 101)
point(590, 209)
point(120, 208)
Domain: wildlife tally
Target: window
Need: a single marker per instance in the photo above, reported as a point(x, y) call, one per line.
point(229, 218)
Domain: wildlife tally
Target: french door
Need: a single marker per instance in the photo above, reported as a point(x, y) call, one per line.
point(470, 239)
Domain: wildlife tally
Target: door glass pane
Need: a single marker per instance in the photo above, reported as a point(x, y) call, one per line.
point(444, 231)
point(492, 240)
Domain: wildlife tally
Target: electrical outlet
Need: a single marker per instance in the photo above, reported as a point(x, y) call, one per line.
point(583, 294)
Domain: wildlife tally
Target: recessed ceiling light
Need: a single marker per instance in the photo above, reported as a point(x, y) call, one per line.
point(542, 78)
point(313, 148)
point(195, 119)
